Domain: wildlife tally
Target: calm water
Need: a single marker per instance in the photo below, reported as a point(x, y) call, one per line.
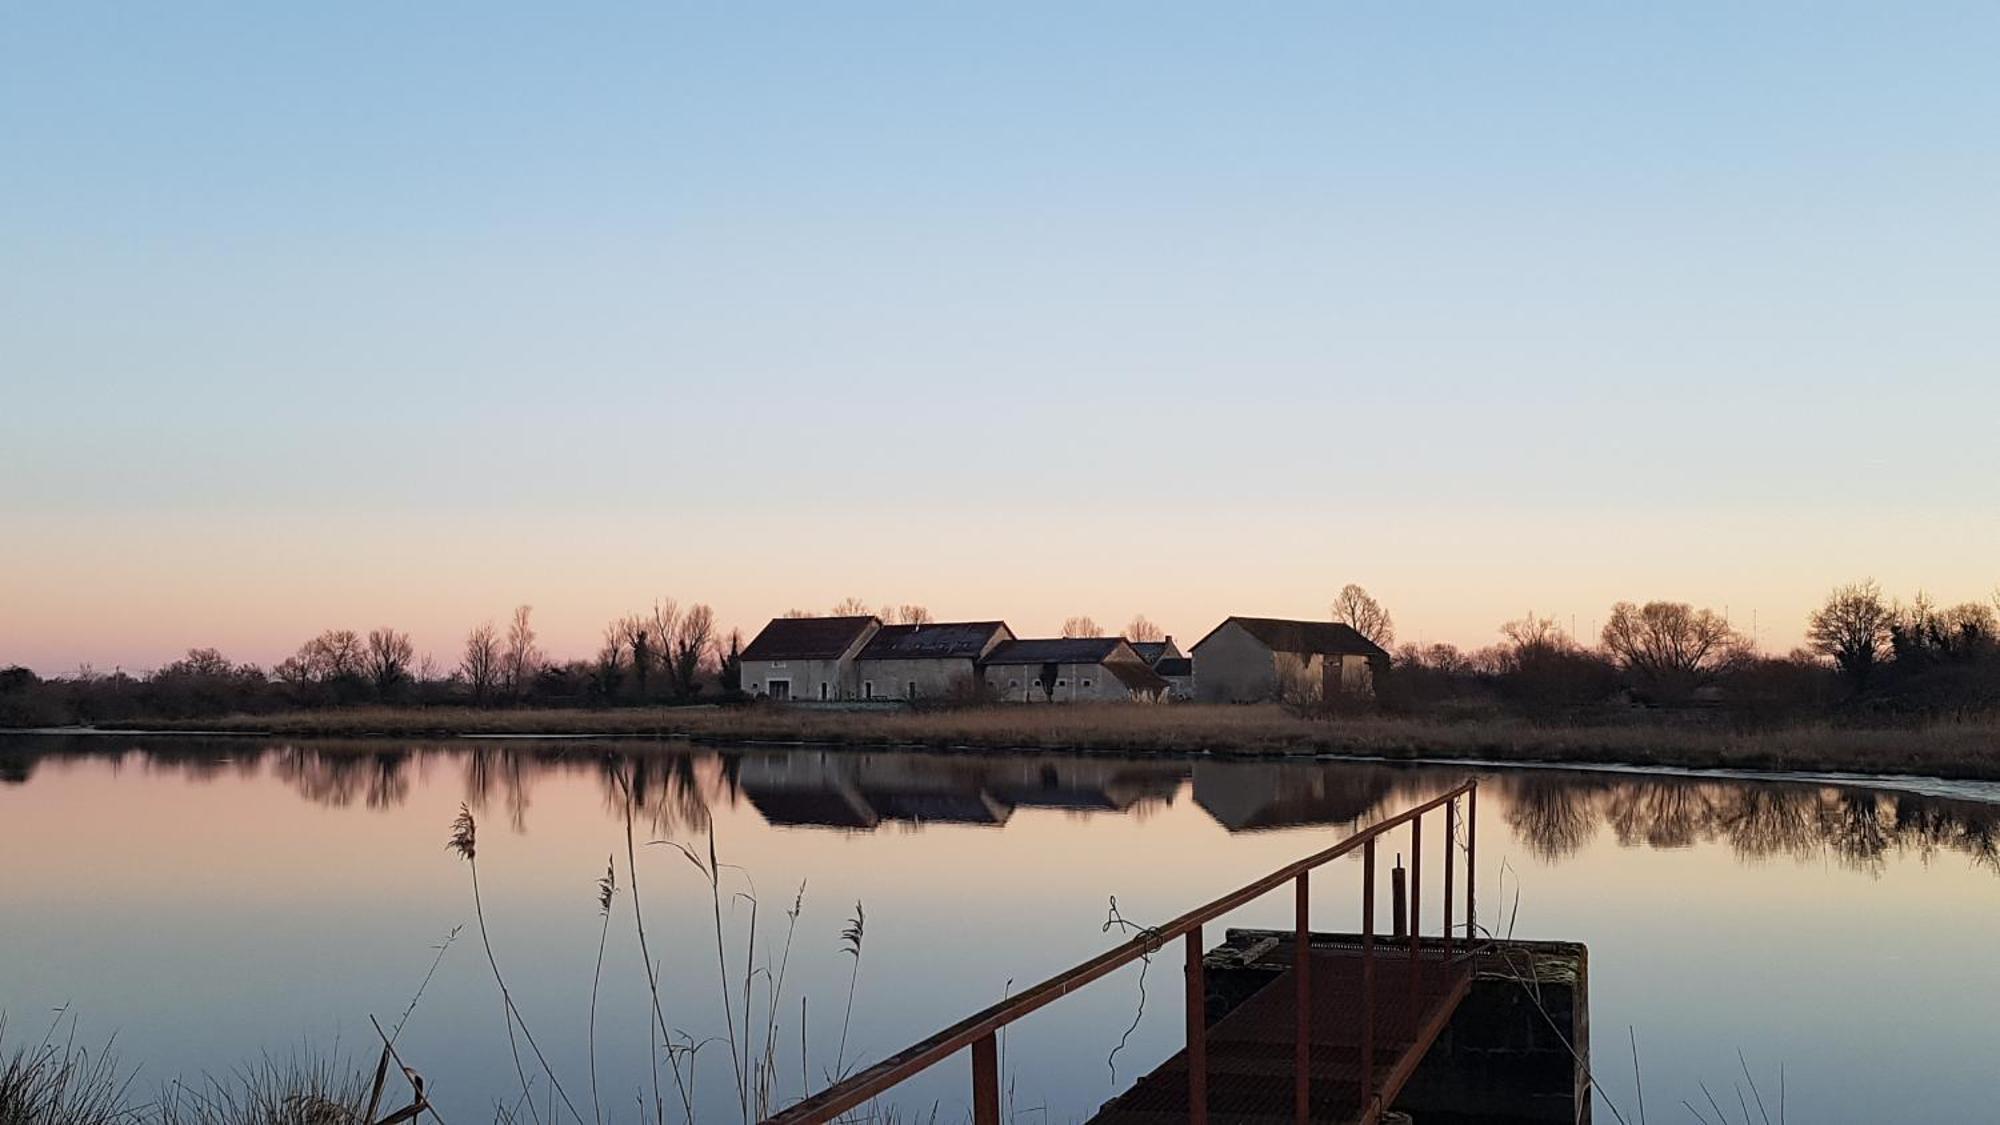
point(211, 901)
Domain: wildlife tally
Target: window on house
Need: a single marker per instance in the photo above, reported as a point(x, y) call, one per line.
point(1086, 683)
point(868, 689)
point(777, 664)
point(1038, 683)
point(1013, 683)
point(1062, 683)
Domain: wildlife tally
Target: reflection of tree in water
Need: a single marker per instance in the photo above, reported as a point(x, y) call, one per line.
point(1659, 815)
point(1553, 815)
point(1858, 832)
point(1769, 820)
point(380, 778)
point(1966, 826)
point(666, 791)
point(505, 771)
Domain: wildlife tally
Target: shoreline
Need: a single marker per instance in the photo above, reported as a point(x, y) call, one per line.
point(1943, 753)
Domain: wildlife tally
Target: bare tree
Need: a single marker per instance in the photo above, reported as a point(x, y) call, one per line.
point(1140, 628)
point(1081, 626)
point(796, 614)
point(387, 660)
point(636, 631)
point(610, 660)
point(665, 624)
point(1531, 633)
point(1354, 608)
point(1672, 647)
point(481, 663)
point(907, 614)
point(693, 639)
point(333, 655)
point(851, 607)
point(1852, 628)
point(522, 659)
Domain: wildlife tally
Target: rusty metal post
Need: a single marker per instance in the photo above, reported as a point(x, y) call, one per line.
point(1450, 864)
point(1416, 912)
point(1399, 900)
point(1302, 1004)
point(1367, 974)
point(1197, 1032)
point(985, 1081)
point(1471, 861)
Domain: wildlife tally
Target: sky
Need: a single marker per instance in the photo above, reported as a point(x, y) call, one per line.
point(376, 314)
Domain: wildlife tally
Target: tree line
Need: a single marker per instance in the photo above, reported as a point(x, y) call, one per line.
point(665, 654)
point(1865, 656)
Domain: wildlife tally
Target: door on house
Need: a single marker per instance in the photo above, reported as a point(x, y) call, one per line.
point(780, 689)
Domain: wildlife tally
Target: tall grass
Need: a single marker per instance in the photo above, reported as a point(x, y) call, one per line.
point(55, 1082)
point(1963, 750)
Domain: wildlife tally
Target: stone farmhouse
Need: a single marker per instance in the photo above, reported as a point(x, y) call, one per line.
point(1070, 669)
point(806, 657)
point(912, 661)
point(830, 659)
point(1245, 659)
point(1242, 660)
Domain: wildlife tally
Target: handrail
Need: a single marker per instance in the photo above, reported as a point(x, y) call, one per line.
point(924, 1054)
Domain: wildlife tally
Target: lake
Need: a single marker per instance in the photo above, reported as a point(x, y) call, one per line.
point(210, 902)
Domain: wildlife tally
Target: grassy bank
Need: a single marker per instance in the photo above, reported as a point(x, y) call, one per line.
point(1967, 751)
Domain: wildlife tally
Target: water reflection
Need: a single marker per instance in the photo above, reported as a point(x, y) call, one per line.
point(1553, 813)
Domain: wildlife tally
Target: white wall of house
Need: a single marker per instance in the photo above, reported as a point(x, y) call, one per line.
point(1231, 666)
point(931, 677)
point(1074, 683)
point(808, 680)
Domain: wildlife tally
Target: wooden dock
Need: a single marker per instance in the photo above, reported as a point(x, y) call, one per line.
point(1334, 1039)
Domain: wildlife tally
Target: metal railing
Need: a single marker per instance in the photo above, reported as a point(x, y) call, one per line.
point(977, 1031)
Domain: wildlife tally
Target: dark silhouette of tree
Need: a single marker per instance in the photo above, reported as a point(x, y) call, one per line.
point(1140, 628)
point(387, 660)
point(1671, 648)
point(851, 607)
point(730, 673)
point(481, 663)
point(1081, 626)
point(639, 642)
point(520, 660)
point(693, 638)
point(610, 662)
point(908, 614)
point(1853, 629)
point(1354, 608)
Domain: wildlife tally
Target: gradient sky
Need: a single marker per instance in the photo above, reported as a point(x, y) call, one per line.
point(368, 314)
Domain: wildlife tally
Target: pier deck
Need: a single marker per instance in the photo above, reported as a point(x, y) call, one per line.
point(1252, 1049)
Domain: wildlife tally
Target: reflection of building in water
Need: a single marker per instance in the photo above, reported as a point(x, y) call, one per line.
point(1085, 786)
point(861, 791)
point(1247, 796)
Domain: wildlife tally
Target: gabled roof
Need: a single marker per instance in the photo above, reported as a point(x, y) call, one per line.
point(1060, 650)
point(1136, 677)
point(1325, 638)
point(1152, 652)
point(959, 640)
point(808, 638)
